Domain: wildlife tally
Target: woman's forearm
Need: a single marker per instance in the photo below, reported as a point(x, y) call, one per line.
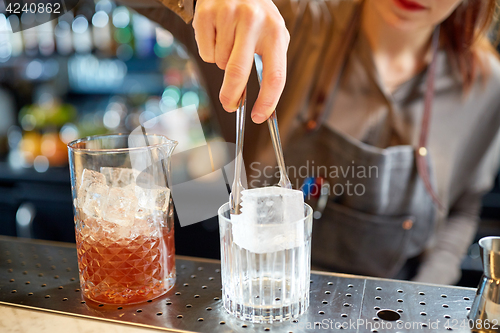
point(442, 260)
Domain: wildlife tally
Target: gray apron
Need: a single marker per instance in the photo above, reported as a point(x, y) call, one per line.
point(386, 219)
point(389, 213)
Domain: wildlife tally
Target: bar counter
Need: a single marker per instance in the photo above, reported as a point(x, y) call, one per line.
point(39, 291)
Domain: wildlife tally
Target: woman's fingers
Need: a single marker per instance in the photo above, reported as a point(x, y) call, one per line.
point(229, 32)
point(238, 66)
point(273, 75)
point(204, 29)
point(224, 36)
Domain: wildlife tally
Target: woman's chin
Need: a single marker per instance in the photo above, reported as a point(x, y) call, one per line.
point(402, 24)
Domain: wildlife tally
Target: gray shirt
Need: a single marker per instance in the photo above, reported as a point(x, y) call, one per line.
point(464, 140)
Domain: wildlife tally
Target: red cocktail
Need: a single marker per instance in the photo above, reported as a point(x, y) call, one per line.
point(125, 269)
point(123, 217)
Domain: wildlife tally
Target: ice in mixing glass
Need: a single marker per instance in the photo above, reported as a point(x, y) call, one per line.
point(124, 234)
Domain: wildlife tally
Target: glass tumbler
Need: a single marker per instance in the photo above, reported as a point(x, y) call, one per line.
point(123, 212)
point(270, 281)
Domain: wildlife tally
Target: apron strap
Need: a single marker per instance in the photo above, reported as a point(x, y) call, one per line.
point(421, 152)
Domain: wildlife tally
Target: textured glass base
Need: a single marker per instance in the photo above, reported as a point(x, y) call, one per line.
point(129, 296)
point(266, 313)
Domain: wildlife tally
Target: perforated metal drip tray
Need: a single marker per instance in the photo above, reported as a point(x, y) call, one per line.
point(44, 276)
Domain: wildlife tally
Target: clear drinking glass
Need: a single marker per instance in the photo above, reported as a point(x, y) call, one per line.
point(269, 286)
point(124, 221)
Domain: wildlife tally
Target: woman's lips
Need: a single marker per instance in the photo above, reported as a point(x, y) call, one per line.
point(409, 5)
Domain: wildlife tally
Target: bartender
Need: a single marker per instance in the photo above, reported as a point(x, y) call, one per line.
point(408, 89)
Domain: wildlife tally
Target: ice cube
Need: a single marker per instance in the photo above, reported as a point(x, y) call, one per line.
point(119, 177)
point(145, 179)
point(270, 220)
point(89, 177)
point(95, 199)
point(153, 199)
point(121, 205)
point(272, 205)
point(268, 238)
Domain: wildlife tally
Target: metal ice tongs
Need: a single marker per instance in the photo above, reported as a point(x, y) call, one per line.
point(237, 187)
point(272, 123)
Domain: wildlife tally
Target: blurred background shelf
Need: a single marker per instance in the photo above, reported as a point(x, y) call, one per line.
point(100, 68)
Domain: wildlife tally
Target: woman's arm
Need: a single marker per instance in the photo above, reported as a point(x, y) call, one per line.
point(443, 259)
point(441, 263)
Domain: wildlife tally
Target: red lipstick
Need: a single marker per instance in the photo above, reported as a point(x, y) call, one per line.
point(409, 5)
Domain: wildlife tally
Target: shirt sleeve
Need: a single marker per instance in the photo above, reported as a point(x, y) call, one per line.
point(441, 263)
point(182, 8)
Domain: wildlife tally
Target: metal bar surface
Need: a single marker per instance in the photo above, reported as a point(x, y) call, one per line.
point(44, 276)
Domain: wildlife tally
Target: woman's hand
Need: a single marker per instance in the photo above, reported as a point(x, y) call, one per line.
point(228, 33)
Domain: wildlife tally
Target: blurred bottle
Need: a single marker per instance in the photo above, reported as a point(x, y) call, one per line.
point(53, 148)
point(45, 34)
point(164, 42)
point(101, 26)
point(82, 34)
point(29, 147)
point(144, 35)
point(5, 40)
point(30, 36)
point(122, 34)
point(115, 114)
point(41, 123)
point(7, 116)
point(16, 40)
point(63, 34)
